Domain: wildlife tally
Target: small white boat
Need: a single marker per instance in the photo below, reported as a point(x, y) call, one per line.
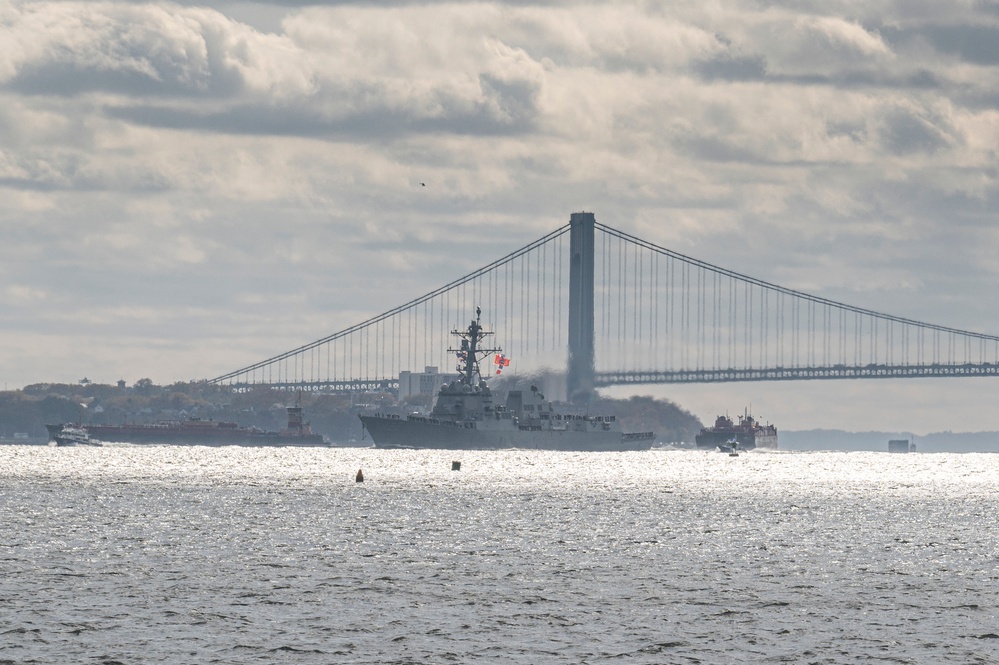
point(731, 447)
point(68, 435)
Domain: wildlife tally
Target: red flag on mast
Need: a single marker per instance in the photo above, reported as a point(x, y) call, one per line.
point(501, 361)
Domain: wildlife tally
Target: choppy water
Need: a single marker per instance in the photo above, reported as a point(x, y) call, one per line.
point(242, 555)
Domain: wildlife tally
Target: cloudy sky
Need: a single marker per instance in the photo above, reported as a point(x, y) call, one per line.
point(187, 188)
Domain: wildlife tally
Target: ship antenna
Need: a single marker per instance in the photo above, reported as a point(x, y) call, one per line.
point(470, 351)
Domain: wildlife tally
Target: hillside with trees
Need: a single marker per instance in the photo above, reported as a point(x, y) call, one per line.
point(28, 410)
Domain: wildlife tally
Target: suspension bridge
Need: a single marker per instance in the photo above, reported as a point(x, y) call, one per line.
point(606, 308)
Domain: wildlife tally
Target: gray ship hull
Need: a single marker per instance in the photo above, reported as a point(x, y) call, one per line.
point(418, 432)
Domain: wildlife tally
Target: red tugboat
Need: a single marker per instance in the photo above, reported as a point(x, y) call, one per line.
point(727, 436)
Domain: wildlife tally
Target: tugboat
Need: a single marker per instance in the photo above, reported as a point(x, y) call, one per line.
point(727, 436)
point(465, 416)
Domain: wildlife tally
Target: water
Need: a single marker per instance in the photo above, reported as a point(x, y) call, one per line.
point(274, 555)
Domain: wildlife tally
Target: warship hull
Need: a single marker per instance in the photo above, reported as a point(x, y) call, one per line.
point(417, 432)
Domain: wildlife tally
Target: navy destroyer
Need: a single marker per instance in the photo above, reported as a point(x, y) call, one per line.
point(466, 417)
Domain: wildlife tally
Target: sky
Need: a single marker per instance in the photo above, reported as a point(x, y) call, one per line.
point(187, 188)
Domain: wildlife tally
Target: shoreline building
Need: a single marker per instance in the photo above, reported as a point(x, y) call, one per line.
point(427, 382)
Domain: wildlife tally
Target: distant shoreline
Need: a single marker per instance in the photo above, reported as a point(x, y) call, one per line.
point(937, 442)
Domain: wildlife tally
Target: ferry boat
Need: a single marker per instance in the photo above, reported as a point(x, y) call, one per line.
point(69, 435)
point(746, 435)
point(466, 416)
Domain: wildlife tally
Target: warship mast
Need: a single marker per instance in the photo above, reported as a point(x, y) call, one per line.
point(470, 353)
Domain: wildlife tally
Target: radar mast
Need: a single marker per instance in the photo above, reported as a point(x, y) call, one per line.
point(469, 352)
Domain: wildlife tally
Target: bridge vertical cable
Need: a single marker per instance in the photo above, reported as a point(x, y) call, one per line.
point(659, 317)
point(719, 325)
point(516, 294)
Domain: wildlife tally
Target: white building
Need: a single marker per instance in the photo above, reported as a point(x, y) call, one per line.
point(427, 382)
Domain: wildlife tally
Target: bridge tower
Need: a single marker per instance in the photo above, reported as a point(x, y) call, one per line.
point(581, 373)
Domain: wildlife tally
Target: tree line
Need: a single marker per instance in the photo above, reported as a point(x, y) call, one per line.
point(26, 411)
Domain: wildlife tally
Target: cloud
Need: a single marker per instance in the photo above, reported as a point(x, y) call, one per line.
point(62, 49)
point(20, 295)
point(813, 45)
point(732, 67)
point(220, 75)
point(905, 130)
point(977, 44)
point(230, 179)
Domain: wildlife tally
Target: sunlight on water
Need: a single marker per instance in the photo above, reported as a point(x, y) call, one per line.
point(191, 554)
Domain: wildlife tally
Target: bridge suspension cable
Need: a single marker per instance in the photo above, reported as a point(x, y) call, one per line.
point(658, 317)
point(522, 292)
point(666, 317)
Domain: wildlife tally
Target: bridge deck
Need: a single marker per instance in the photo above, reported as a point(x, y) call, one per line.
point(796, 373)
